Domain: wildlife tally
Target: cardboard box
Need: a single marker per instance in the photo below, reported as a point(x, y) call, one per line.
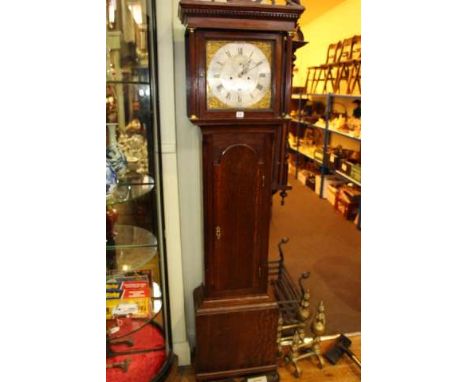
point(350, 194)
point(303, 175)
point(348, 201)
point(310, 182)
point(320, 155)
point(356, 172)
point(332, 192)
point(345, 167)
point(334, 161)
point(348, 210)
point(328, 180)
point(129, 295)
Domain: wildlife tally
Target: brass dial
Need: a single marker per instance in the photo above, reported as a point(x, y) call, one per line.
point(238, 75)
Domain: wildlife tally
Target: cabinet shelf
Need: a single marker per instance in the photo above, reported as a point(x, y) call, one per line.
point(127, 82)
point(306, 155)
point(310, 124)
point(134, 247)
point(332, 95)
point(303, 122)
point(131, 237)
point(347, 177)
point(342, 133)
point(131, 189)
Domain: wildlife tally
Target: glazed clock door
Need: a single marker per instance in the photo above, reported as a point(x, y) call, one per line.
point(241, 174)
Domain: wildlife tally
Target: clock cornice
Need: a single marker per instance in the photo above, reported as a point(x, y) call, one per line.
point(193, 13)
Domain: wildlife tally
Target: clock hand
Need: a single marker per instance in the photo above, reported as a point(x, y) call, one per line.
point(253, 67)
point(245, 68)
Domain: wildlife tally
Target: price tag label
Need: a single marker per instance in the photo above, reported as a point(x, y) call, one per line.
point(240, 114)
point(262, 378)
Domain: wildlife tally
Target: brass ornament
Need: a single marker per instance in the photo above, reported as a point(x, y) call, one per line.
point(300, 348)
point(295, 317)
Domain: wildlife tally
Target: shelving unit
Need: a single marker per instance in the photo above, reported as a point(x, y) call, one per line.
point(138, 329)
point(301, 122)
point(324, 128)
point(348, 178)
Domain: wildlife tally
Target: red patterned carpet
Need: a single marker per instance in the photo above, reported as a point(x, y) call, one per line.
point(141, 367)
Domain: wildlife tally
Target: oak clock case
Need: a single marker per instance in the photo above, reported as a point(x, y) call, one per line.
point(239, 66)
point(138, 336)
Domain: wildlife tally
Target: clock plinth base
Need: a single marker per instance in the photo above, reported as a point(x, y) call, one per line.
point(235, 337)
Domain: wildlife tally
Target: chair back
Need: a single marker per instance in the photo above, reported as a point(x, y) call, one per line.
point(356, 53)
point(333, 53)
point(347, 50)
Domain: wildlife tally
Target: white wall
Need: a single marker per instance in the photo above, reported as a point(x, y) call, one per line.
point(190, 181)
point(341, 21)
point(170, 180)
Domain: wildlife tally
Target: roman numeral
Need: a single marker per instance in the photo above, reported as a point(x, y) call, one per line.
point(262, 75)
point(220, 63)
point(240, 51)
point(219, 87)
point(217, 75)
point(228, 53)
point(239, 98)
point(228, 96)
point(259, 87)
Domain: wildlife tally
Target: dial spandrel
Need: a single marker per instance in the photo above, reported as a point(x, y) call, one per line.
point(238, 75)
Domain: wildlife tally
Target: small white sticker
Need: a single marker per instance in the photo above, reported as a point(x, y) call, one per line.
point(240, 114)
point(262, 378)
point(114, 330)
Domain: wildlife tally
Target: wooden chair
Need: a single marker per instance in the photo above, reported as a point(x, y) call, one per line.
point(343, 64)
point(355, 69)
point(349, 65)
point(325, 73)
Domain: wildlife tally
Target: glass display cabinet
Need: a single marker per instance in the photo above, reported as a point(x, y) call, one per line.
point(138, 333)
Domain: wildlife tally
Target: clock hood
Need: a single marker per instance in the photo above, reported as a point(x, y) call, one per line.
point(239, 15)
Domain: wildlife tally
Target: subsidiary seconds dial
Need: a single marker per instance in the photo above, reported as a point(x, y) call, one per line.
point(239, 75)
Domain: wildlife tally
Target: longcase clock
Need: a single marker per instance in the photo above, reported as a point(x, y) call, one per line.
point(239, 61)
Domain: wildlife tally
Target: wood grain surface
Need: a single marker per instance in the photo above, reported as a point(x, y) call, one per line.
point(344, 371)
